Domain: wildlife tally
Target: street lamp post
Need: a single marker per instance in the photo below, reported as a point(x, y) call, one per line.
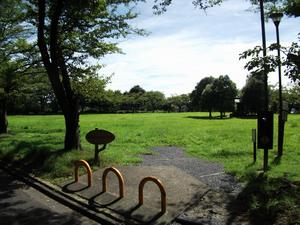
point(264, 45)
point(266, 105)
point(276, 17)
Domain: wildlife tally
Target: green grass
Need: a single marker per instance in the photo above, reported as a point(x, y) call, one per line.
point(35, 144)
point(227, 141)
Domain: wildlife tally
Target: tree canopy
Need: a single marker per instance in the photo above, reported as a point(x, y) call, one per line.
point(214, 94)
point(14, 57)
point(69, 35)
point(252, 100)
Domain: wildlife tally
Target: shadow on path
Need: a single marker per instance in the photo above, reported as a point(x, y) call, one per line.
point(19, 207)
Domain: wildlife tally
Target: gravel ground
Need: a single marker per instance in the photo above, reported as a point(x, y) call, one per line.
point(209, 173)
point(212, 208)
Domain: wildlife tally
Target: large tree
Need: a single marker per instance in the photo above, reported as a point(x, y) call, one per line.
point(14, 57)
point(8, 81)
point(252, 100)
point(208, 99)
point(197, 93)
point(69, 34)
point(225, 92)
point(154, 100)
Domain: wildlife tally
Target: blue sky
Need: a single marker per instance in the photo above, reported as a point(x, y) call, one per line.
point(186, 44)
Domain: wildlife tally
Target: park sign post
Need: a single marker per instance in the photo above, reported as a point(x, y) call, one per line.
point(99, 137)
point(265, 126)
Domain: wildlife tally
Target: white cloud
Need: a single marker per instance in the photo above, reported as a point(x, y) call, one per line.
point(185, 46)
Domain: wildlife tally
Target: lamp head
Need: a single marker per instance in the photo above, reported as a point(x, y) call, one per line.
point(276, 17)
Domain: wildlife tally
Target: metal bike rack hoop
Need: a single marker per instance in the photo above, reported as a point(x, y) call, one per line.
point(88, 170)
point(161, 188)
point(120, 178)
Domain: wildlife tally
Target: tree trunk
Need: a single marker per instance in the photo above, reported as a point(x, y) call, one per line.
point(57, 72)
point(210, 114)
point(3, 117)
point(72, 135)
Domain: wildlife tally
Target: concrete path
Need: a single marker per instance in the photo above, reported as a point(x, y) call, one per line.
point(212, 174)
point(182, 190)
point(23, 205)
point(212, 208)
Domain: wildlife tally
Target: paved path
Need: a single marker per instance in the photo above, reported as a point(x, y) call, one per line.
point(23, 205)
point(210, 173)
point(211, 209)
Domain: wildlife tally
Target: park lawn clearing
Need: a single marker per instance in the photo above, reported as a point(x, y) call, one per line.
point(38, 141)
point(35, 143)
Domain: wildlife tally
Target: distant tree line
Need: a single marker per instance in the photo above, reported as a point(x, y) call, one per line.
point(33, 95)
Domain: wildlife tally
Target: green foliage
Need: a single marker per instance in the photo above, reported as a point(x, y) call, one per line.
point(86, 29)
point(292, 61)
point(137, 90)
point(256, 63)
point(90, 89)
point(177, 103)
point(225, 92)
point(207, 100)
point(292, 8)
point(288, 7)
point(290, 95)
point(267, 200)
point(70, 34)
point(293, 97)
point(214, 94)
point(252, 96)
point(154, 100)
point(197, 93)
point(160, 6)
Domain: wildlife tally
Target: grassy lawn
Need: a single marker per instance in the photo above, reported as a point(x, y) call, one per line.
point(35, 143)
point(227, 141)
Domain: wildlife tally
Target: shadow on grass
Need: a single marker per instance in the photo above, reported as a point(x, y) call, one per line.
point(277, 160)
point(229, 154)
point(266, 201)
point(246, 116)
point(32, 156)
point(208, 118)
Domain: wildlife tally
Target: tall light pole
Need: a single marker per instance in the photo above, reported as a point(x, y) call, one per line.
point(265, 75)
point(276, 17)
point(263, 33)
